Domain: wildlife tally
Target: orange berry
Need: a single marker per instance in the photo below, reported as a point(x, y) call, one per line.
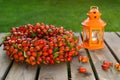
point(34, 54)
point(80, 58)
point(21, 58)
point(106, 63)
point(85, 59)
point(105, 67)
point(33, 63)
point(45, 53)
point(72, 44)
point(67, 49)
point(39, 59)
point(32, 58)
point(20, 53)
point(118, 68)
point(79, 47)
point(27, 60)
point(76, 52)
point(117, 65)
point(82, 70)
point(31, 49)
point(110, 63)
point(16, 56)
point(37, 48)
point(8, 53)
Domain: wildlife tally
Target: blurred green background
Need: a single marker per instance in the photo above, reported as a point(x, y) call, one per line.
point(66, 13)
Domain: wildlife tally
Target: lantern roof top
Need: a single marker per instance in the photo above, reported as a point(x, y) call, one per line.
point(94, 19)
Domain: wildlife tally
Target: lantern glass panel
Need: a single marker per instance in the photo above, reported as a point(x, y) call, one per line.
point(86, 35)
point(96, 36)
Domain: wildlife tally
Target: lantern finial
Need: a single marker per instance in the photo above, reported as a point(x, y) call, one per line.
point(93, 7)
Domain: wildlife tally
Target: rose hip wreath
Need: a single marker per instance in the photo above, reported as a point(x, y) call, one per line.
point(40, 43)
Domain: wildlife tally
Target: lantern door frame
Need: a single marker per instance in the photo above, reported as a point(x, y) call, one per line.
point(93, 45)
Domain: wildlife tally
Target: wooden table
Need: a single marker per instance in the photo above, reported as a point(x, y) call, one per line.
point(10, 70)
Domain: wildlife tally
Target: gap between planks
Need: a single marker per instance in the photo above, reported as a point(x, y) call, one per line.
point(37, 72)
point(118, 33)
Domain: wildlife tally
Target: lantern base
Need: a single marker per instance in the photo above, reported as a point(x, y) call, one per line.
point(93, 47)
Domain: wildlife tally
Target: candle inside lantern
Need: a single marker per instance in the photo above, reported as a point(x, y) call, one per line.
point(95, 35)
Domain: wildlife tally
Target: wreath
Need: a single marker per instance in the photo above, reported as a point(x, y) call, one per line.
point(41, 43)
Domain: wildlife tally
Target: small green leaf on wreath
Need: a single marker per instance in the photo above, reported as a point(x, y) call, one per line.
point(4, 37)
point(75, 37)
point(55, 50)
point(49, 30)
point(15, 45)
point(25, 55)
point(55, 55)
point(58, 61)
point(33, 34)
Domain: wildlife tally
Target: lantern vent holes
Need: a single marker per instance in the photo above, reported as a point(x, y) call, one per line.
point(94, 16)
point(94, 12)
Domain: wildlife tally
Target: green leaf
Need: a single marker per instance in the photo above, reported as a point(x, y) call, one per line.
point(50, 30)
point(25, 54)
point(68, 35)
point(11, 54)
point(64, 36)
point(75, 37)
point(44, 62)
point(55, 50)
point(8, 34)
point(68, 43)
point(33, 34)
point(57, 61)
point(55, 55)
point(15, 45)
point(3, 38)
point(39, 54)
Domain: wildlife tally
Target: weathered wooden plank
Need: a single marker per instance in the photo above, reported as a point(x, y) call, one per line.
point(4, 60)
point(98, 56)
point(113, 42)
point(53, 72)
point(21, 71)
point(75, 64)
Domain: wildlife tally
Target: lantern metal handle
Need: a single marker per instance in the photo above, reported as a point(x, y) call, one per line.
point(94, 7)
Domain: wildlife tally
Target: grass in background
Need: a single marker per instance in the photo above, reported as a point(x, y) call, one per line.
point(66, 13)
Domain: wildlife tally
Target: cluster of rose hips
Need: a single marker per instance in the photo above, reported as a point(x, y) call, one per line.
point(83, 59)
point(40, 43)
point(106, 65)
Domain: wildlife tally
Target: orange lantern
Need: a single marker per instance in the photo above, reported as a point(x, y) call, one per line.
point(93, 30)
